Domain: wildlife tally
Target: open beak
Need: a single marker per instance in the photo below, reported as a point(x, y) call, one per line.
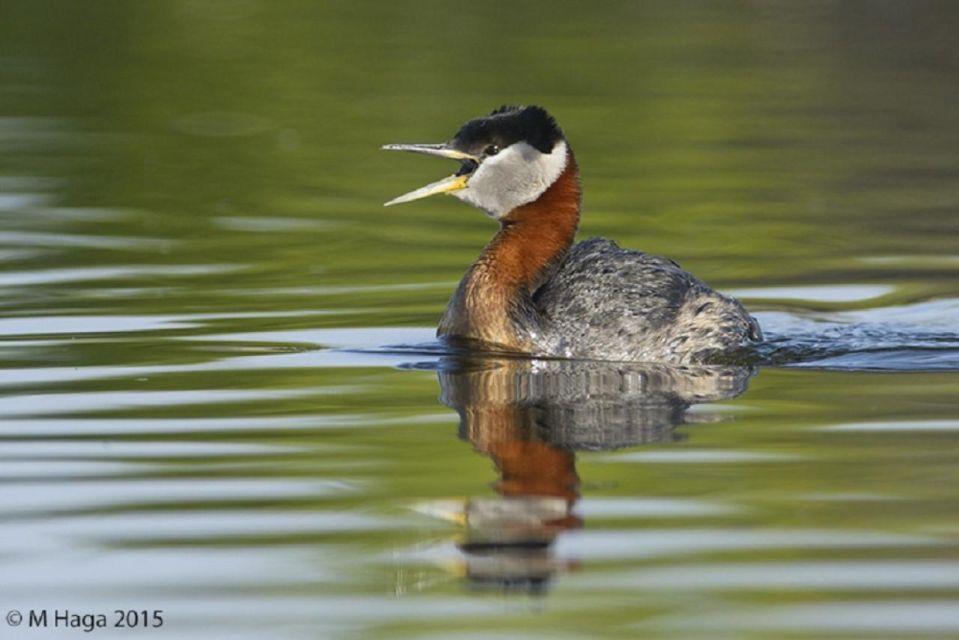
point(455, 182)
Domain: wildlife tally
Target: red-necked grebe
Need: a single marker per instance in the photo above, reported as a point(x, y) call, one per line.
point(532, 291)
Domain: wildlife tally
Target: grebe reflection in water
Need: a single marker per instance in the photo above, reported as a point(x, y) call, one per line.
point(530, 417)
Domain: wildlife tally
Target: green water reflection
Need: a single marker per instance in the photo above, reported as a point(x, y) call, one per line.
point(755, 144)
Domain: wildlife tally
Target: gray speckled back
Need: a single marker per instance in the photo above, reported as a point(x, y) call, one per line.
point(608, 303)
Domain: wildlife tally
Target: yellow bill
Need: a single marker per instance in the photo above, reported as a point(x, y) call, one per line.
point(446, 185)
point(453, 183)
point(441, 150)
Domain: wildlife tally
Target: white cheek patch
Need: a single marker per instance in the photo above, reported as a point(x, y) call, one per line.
point(517, 175)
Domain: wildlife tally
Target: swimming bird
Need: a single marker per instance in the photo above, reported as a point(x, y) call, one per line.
point(533, 291)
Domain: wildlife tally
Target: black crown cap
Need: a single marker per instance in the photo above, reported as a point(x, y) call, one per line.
point(507, 125)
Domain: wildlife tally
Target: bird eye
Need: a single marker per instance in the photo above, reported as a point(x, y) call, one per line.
point(491, 150)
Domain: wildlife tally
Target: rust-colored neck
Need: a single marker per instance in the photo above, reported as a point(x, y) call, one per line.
point(532, 237)
point(493, 299)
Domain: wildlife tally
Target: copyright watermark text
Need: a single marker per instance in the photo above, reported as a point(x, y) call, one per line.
point(86, 621)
